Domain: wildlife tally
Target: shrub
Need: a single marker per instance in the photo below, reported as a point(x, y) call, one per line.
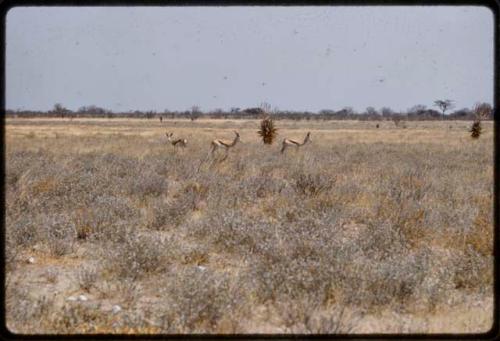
point(158, 217)
point(259, 187)
point(23, 231)
point(104, 217)
point(21, 305)
point(78, 319)
point(199, 300)
point(476, 129)
point(137, 255)
point(313, 184)
point(87, 278)
point(472, 271)
point(59, 234)
point(148, 184)
point(306, 316)
point(268, 131)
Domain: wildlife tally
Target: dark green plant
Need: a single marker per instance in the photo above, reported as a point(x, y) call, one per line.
point(482, 111)
point(268, 131)
point(475, 130)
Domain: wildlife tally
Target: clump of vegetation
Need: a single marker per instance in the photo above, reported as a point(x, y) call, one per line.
point(313, 184)
point(304, 316)
point(268, 130)
point(87, 278)
point(137, 256)
point(399, 121)
point(149, 184)
point(476, 129)
point(481, 112)
point(199, 308)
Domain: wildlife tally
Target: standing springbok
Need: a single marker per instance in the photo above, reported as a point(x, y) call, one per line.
point(289, 143)
point(217, 143)
point(176, 143)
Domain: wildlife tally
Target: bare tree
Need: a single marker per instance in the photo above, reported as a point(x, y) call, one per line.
point(195, 112)
point(444, 105)
point(266, 107)
point(60, 110)
point(371, 111)
point(483, 110)
point(386, 112)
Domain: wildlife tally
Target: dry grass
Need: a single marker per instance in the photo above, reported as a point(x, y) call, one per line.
point(364, 230)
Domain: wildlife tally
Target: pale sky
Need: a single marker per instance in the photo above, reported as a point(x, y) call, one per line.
point(295, 58)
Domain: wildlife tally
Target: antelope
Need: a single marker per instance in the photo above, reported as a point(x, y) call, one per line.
point(177, 142)
point(288, 143)
point(217, 143)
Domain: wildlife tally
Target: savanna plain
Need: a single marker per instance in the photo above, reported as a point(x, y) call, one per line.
point(109, 229)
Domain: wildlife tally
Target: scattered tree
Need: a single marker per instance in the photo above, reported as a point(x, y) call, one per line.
point(444, 105)
point(418, 112)
point(371, 111)
point(195, 113)
point(150, 114)
point(399, 120)
point(417, 109)
point(254, 112)
point(386, 112)
point(464, 113)
point(60, 111)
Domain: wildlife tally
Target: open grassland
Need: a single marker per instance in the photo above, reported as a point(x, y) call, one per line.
point(364, 230)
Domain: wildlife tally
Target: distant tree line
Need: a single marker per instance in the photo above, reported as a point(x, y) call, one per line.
point(415, 113)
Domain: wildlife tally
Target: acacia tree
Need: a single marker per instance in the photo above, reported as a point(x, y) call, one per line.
point(444, 105)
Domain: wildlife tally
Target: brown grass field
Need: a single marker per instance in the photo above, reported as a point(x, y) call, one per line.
point(363, 230)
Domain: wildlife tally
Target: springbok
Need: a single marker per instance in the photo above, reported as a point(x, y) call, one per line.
point(217, 143)
point(289, 143)
point(176, 143)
